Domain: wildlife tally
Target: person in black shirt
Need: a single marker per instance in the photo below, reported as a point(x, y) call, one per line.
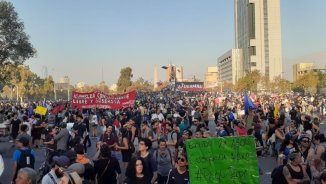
point(180, 174)
point(79, 128)
point(136, 172)
point(106, 167)
point(294, 172)
point(15, 122)
point(144, 146)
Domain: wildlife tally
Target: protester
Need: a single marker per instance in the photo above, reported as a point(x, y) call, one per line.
point(59, 165)
point(164, 160)
point(294, 172)
point(136, 172)
point(26, 175)
point(22, 157)
point(180, 174)
point(144, 146)
point(107, 168)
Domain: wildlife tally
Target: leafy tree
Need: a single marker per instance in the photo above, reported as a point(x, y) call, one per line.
point(141, 85)
point(308, 82)
point(15, 47)
point(281, 85)
point(124, 81)
point(47, 90)
point(249, 82)
point(103, 87)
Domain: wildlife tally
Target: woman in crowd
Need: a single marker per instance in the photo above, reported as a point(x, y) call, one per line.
point(123, 145)
point(136, 172)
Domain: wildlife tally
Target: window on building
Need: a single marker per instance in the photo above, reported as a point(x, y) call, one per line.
point(252, 50)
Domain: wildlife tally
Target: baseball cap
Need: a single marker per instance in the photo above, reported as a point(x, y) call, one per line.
point(62, 161)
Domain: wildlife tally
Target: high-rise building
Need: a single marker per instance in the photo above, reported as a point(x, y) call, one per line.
point(174, 71)
point(258, 34)
point(230, 67)
point(44, 72)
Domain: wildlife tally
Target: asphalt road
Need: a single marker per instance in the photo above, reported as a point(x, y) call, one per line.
point(266, 163)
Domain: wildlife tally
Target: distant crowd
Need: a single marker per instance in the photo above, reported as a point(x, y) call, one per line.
point(145, 144)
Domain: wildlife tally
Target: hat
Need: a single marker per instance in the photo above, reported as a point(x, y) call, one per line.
point(24, 141)
point(74, 177)
point(77, 167)
point(61, 161)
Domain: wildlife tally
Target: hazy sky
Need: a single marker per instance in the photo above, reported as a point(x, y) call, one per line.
point(79, 37)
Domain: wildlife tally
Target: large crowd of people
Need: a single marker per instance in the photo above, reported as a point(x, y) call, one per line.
point(145, 144)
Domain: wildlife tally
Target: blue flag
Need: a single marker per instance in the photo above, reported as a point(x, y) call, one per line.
point(248, 104)
point(45, 104)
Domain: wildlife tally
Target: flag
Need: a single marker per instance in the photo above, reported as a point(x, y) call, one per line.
point(248, 104)
point(276, 110)
point(44, 104)
point(41, 110)
point(58, 109)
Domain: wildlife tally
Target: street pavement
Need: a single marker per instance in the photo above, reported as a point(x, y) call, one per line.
point(267, 163)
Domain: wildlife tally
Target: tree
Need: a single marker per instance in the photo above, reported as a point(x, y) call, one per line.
point(281, 85)
point(141, 85)
point(47, 90)
point(308, 82)
point(15, 47)
point(249, 82)
point(124, 81)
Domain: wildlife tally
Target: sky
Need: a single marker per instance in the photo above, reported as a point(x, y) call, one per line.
point(81, 38)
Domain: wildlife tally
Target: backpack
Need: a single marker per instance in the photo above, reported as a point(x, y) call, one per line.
point(277, 176)
point(178, 135)
point(89, 174)
point(156, 154)
point(26, 159)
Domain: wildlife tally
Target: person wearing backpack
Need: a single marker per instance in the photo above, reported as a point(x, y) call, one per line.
point(22, 157)
point(164, 161)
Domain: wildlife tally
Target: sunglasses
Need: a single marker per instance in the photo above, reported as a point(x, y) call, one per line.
point(181, 159)
point(305, 141)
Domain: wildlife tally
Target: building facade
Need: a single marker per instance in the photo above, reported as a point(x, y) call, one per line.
point(301, 69)
point(230, 66)
point(211, 77)
point(258, 34)
point(174, 71)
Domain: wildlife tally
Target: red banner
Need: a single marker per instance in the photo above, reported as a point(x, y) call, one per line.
point(103, 101)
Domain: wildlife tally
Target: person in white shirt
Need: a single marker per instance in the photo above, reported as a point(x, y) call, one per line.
point(158, 115)
point(28, 124)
